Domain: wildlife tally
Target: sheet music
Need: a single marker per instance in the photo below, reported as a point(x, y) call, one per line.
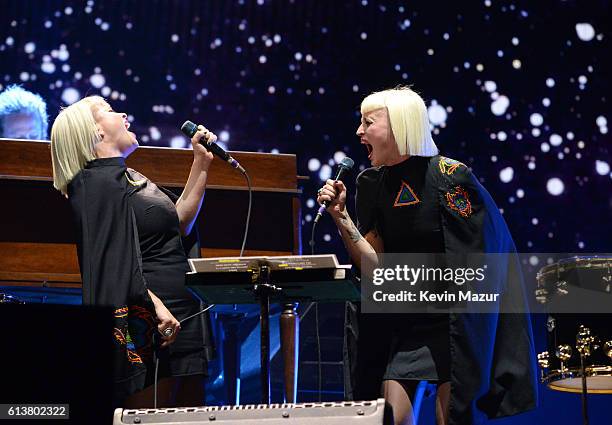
point(245, 264)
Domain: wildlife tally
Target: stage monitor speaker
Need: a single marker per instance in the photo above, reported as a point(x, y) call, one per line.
point(332, 413)
point(58, 354)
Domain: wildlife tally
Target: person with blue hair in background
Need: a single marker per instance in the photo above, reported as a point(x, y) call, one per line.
point(23, 114)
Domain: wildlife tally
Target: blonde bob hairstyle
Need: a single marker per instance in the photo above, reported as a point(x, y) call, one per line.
point(408, 118)
point(73, 137)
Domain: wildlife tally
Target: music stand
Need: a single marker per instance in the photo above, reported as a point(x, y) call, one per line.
point(265, 281)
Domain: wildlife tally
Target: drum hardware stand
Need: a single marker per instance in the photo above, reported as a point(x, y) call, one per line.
point(585, 342)
point(544, 363)
point(563, 353)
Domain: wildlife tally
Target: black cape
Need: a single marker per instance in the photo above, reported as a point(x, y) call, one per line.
point(111, 269)
point(492, 355)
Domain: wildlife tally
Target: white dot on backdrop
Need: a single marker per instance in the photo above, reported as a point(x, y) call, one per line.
point(70, 95)
point(174, 38)
point(24, 76)
point(224, 136)
point(550, 82)
point(535, 132)
point(298, 56)
point(536, 119)
point(585, 31)
point(582, 79)
point(601, 121)
point(546, 102)
point(327, 237)
point(499, 105)
point(502, 136)
point(437, 114)
point(106, 91)
point(314, 164)
point(97, 80)
point(325, 172)
point(555, 139)
point(310, 203)
point(545, 147)
point(602, 167)
point(48, 67)
point(506, 175)
point(555, 186)
point(534, 221)
point(363, 35)
point(271, 89)
point(63, 55)
point(178, 142)
point(490, 86)
point(29, 47)
point(339, 156)
point(155, 133)
point(533, 260)
point(262, 59)
point(520, 193)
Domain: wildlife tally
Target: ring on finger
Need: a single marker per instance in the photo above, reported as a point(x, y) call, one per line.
point(168, 332)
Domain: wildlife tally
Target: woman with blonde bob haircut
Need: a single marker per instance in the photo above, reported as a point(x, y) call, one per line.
point(131, 253)
point(408, 118)
point(73, 139)
point(413, 200)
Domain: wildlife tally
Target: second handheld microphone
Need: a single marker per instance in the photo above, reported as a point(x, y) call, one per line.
point(344, 167)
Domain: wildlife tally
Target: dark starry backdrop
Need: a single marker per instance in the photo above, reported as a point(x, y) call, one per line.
point(517, 90)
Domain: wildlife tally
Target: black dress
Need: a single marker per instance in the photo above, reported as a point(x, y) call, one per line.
point(164, 265)
point(128, 241)
point(437, 205)
point(397, 204)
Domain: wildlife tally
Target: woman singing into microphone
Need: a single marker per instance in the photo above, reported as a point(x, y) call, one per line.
point(131, 254)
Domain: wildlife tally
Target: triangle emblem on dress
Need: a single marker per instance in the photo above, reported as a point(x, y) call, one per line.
point(406, 196)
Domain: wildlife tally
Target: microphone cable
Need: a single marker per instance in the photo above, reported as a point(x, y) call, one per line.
point(244, 239)
point(316, 313)
point(157, 357)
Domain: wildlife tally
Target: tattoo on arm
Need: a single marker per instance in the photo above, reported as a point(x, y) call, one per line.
point(351, 229)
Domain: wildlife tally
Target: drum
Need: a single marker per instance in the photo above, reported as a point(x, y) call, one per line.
point(593, 273)
point(572, 336)
point(9, 299)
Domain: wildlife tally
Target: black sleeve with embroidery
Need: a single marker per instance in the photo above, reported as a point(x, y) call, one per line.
point(463, 212)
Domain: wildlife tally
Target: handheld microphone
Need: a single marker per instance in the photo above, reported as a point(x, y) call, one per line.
point(344, 167)
point(189, 129)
